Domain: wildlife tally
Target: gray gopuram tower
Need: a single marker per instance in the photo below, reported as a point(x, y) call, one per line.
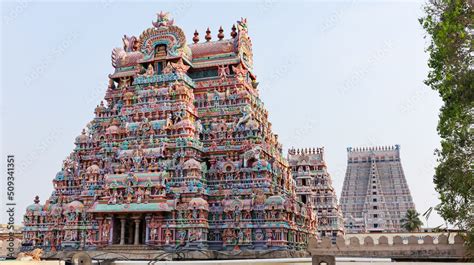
point(375, 194)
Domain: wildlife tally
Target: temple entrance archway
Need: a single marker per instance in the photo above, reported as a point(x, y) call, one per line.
point(129, 230)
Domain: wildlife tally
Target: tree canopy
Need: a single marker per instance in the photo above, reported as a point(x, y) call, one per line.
point(411, 222)
point(449, 28)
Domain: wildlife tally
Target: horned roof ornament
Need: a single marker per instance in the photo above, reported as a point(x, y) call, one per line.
point(163, 20)
point(242, 24)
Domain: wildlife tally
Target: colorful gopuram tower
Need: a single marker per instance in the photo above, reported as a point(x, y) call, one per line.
point(375, 194)
point(180, 153)
point(314, 186)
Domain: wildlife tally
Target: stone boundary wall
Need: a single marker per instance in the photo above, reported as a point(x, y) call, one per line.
point(4, 247)
point(403, 235)
point(379, 245)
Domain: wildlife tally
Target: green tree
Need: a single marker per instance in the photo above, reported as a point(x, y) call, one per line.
point(411, 222)
point(449, 28)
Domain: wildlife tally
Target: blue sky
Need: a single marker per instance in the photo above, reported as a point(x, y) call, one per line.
point(332, 74)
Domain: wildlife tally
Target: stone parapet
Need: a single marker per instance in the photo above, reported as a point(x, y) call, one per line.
point(427, 247)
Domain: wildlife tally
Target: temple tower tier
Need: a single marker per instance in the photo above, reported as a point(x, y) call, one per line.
point(314, 188)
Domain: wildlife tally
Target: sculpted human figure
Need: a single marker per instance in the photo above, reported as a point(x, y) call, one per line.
point(124, 81)
point(167, 237)
point(129, 197)
point(149, 70)
point(240, 236)
point(113, 197)
point(146, 195)
point(237, 214)
point(168, 68)
point(192, 236)
point(182, 237)
point(89, 238)
point(139, 195)
point(153, 231)
point(248, 235)
point(105, 230)
point(195, 213)
point(120, 197)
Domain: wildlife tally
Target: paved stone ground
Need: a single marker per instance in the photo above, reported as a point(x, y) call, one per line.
point(283, 261)
point(159, 255)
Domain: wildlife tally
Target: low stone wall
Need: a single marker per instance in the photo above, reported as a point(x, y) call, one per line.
point(412, 247)
point(4, 245)
point(403, 235)
point(43, 262)
point(130, 254)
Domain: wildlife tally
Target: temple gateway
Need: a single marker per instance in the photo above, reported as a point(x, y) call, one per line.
point(179, 153)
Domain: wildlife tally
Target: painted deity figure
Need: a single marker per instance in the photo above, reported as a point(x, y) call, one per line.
point(150, 71)
point(113, 197)
point(248, 235)
point(269, 237)
point(120, 197)
point(223, 71)
point(168, 69)
point(89, 238)
point(199, 127)
point(202, 214)
point(167, 237)
point(71, 216)
point(240, 236)
point(182, 237)
point(229, 237)
point(246, 115)
point(272, 213)
point(129, 197)
point(124, 82)
point(139, 195)
point(161, 149)
point(195, 213)
point(146, 195)
point(237, 214)
point(153, 232)
point(69, 236)
point(192, 235)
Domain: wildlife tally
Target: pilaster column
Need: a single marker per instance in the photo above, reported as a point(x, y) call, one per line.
point(137, 231)
point(131, 229)
point(101, 227)
point(122, 231)
point(111, 229)
point(160, 230)
point(147, 229)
